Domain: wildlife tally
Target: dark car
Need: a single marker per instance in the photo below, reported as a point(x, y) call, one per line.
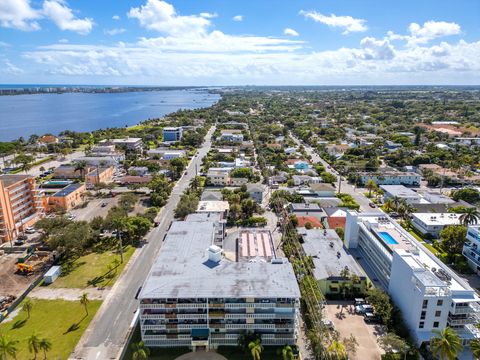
point(103, 204)
point(372, 205)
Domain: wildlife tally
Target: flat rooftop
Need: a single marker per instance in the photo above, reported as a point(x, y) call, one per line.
point(305, 207)
point(444, 219)
point(399, 190)
point(255, 245)
point(328, 253)
point(9, 180)
point(378, 223)
point(213, 206)
point(183, 270)
point(67, 190)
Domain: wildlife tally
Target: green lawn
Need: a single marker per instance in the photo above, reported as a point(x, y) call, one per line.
point(60, 321)
point(92, 269)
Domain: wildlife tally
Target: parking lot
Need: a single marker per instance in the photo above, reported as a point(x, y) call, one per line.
point(94, 208)
point(347, 323)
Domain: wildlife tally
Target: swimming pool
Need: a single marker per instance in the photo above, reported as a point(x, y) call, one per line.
point(388, 238)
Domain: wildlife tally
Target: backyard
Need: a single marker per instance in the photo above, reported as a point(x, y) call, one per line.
point(61, 322)
point(95, 269)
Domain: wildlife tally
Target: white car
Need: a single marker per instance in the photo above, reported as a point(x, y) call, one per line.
point(30, 230)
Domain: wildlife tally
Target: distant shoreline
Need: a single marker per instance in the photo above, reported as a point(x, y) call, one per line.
point(11, 90)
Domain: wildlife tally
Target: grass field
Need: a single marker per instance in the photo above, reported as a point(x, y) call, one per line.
point(92, 270)
point(62, 322)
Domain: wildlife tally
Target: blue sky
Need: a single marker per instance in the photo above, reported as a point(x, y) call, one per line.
point(221, 42)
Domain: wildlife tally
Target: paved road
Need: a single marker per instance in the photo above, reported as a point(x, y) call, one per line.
point(35, 171)
point(346, 188)
point(107, 333)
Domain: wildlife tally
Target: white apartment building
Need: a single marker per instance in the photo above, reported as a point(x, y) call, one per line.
point(135, 144)
point(231, 137)
point(471, 248)
point(429, 294)
point(219, 176)
point(402, 192)
point(391, 178)
point(194, 297)
point(431, 223)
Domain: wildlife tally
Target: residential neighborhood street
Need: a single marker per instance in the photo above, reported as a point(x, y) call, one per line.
point(108, 332)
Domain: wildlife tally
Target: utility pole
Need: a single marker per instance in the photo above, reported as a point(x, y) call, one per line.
point(339, 183)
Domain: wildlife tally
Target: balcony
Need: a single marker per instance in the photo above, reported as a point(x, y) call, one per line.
point(466, 309)
point(456, 321)
point(216, 315)
point(216, 305)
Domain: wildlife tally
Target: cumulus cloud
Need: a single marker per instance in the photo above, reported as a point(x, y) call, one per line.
point(114, 31)
point(374, 49)
point(161, 16)
point(207, 15)
point(238, 18)
point(18, 14)
point(290, 32)
point(346, 23)
point(59, 12)
point(430, 30)
point(116, 17)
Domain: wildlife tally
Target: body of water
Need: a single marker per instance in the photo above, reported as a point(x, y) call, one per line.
point(24, 115)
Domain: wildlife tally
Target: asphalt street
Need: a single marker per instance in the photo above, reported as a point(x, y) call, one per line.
point(345, 187)
point(107, 333)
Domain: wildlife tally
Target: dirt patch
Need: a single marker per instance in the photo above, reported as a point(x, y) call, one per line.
point(13, 283)
point(47, 293)
point(348, 323)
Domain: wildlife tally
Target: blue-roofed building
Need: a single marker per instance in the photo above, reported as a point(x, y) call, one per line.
point(66, 198)
point(172, 134)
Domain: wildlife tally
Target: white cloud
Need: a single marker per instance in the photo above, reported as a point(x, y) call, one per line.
point(374, 49)
point(4, 44)
point(161, 16)
point(238, 18)
point(290, 32)
point(116, 17)
point(18, 14)
point(432, 30)
point(59, 12)
point(63, 41)
point(114, 31)
point(207, 15)
point(347, 23)
point(11, 69)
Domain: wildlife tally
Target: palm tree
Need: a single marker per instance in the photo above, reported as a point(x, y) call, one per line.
point(81, 166)
point(84, 300)
point(446, 345)
point(396, 202)
point(27, 307)
point(46, 346)
point(118, 224)
point(140, 351)
point(370, 185)
point(34, 344)
point(287, 353)
point(404, 210)
point(255, 348)
point(475, 348)
point(470, 216)
point(7, 347)
point(337, 350)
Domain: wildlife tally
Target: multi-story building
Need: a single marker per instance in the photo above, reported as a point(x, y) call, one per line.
point(429, 294)
point(172, 134)
point(471, 248)
point(66, 198)
point(20, 205)
point(391, 178)
point(231, 137)
point(195, 297)
point(432, 224)
point(219, 176)
point(128, 143)
point(401, 192)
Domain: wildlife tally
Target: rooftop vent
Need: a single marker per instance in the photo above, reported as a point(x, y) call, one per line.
point(214, 253)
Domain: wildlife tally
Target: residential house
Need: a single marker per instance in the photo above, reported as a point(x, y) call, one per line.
point(256, 192)
point(432, 224)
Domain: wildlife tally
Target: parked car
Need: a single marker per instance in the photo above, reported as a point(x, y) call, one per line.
point(372, 205)
point(362, 309)
point(104, 204)
point(328, 324)
point(371, 318)
point(360, 301)
point(30, 230)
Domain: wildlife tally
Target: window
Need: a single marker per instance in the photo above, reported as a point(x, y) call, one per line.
point(435, 324)
point(438, 313)
point(421, 325)
point(422, 316)
point(439, 302)
point(425, 304)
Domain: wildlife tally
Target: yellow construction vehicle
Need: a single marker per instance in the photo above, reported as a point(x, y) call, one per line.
point(25, 269)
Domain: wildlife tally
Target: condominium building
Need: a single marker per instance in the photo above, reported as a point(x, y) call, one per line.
point(20, 205)
point(391, 178)
point(432, 224)
point(471, 248)
point(128, 143)
point(429, 294)
point(400, 192)
point(172, 134)
point(195, 297)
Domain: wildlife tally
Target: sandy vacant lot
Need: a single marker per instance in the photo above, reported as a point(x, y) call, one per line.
point(346, 322)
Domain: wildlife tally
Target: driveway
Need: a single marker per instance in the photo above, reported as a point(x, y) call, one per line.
point(201, 355)
point(94, 208)
point(348, 323)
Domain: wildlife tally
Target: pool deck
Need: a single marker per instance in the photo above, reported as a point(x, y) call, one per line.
point(402, 241)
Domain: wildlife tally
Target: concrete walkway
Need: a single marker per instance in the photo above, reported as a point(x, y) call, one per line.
point(49, 293)
point(201, 355)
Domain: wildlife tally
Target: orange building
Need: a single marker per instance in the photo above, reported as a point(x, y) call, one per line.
point(20, 205)
point(67, 198)
point(100, 175)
